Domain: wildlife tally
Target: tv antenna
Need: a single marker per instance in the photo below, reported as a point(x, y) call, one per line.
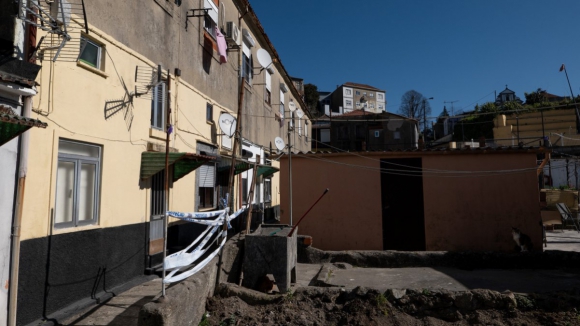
point(54, 17)
point(451, 105)
point(146, 78)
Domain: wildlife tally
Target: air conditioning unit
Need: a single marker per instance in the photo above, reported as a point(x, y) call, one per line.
point(232, 33)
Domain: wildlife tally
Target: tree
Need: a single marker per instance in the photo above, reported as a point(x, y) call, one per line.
point(415, 106)
point(538, 96)
point(311, 98)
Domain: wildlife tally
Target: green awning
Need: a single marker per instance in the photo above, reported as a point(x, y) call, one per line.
point(12, 125)
point(241, 166)
point(267, 170)
point(183, 163)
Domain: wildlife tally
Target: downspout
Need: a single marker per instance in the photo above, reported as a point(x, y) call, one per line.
point(17, 215)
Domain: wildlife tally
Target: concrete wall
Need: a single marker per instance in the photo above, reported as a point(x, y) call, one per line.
point(348, 217)
point(531, 125)
point(8, 161)
point(461, 213)
point(477, 213)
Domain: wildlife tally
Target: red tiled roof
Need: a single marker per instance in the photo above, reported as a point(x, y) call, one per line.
point(349, 84)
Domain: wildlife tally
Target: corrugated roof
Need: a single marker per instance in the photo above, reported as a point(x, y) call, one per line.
point(4, 76)
point(183, 163)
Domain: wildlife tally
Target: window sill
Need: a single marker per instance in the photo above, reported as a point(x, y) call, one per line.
point(157, 134)
point(92, 69)
point(63, 230)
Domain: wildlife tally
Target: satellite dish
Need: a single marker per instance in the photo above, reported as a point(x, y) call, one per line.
point(264, 58)
point(292, 106)
point(227, 124)
point(279, 142)
point(300, 113)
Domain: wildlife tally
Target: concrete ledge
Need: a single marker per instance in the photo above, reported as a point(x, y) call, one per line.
point(461, 260)
point(184, 303)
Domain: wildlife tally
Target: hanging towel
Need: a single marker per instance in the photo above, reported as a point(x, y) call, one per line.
point(222, 46)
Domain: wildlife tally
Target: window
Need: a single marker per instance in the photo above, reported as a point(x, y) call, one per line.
point(91, 52)
point(377, 133)
point(380, 96)
point(158, 106)
point(372, 105)
point(209, 112)
point(206, 185)
point(158, 195)
point(364, 93)
point(357, 92)
point(268, 93)
point(348, 103)
point(281, 108)
point(211, 20)
point(306, 128)
point(268, 190)
point(357, 103)
point(77, 184)
point(246, 63)
point(325, 135)
point(299, 126)
point(372, 94)
point(244, 191)
point(348, 91)
point(380, 106)
point(206, 179)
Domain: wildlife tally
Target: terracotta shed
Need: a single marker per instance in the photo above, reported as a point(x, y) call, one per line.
point(443, 199)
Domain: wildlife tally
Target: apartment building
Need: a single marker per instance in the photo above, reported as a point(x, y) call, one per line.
point(353, 96)
point(95, 199)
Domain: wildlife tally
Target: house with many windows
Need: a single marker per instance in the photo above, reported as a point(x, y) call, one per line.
point(129, 79)
point(353, 96)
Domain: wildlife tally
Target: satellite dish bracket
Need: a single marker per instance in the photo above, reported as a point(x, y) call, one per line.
point(195, 14)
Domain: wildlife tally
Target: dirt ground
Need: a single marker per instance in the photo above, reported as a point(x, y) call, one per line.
point(361, 306)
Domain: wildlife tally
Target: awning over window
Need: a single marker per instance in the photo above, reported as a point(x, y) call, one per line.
point(266, 170)
point(183, 163)
point(12, 125)
point(241, 165)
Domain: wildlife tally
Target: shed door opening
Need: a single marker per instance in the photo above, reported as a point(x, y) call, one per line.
point(402, 200)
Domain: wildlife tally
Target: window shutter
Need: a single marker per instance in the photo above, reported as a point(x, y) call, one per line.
point(246, 50)
point(268, 81)
point(213, 13)
point(207, 176)
point(226, 142)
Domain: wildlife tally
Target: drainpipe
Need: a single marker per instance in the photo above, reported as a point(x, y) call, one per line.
point(17, 215)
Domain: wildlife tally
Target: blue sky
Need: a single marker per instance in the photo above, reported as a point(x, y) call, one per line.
point(452, 50)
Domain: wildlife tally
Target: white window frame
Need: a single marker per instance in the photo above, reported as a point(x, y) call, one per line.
point(79, 161)
point(247, 62)
point(98, 64)
point(211, 20)
point(299, 126)
point(158, 102)
point(282, 107)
